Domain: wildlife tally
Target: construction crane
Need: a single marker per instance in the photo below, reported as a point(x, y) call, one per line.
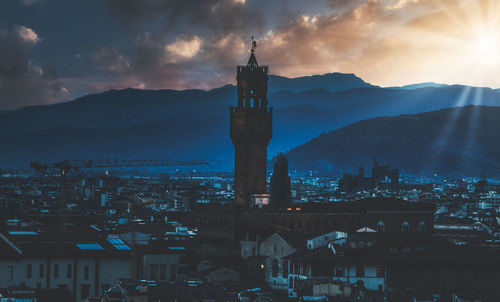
point(66, 166)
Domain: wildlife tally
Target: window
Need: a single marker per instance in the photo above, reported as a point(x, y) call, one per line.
point(253, 251)
point(86, 272)
point(422, 227)
point(285, 269)
point(275, 268)
point(29, 270)
point(85, 291)
point(163, 272)
point(56, 270)
point(380, 271)
point(360, 271)
point(41, 269)
point(69, 271)
point(290, 282)
point(173, 272)
point(380, 227)
point(405, 227)
point(153, 272)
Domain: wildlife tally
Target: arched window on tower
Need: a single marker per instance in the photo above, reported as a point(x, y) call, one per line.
point(405, 227)
point(422, 227)
point(275, 268)
point(380, 227)
point(252, 99)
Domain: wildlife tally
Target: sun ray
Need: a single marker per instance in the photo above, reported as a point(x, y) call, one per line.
point(445, 135)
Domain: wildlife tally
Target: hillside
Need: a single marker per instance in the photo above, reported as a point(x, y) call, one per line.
point(457, 141)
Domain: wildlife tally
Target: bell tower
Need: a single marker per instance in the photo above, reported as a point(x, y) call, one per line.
point(250, 130)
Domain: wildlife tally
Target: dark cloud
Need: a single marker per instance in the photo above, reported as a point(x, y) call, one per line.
point(111, 60)
point(29, 2)
point(190, 61)
point(179, 43)
point(214, 17)
point(23, 82)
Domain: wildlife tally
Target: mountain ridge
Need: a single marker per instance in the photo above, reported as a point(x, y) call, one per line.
point(183, 116)
point(457, 141)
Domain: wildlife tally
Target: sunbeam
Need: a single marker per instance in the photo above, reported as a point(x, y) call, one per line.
point(445, 135)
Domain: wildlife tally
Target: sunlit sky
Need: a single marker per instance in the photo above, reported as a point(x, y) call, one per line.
point(57, 50)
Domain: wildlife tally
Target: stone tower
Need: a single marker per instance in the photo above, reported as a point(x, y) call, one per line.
point(250, 131)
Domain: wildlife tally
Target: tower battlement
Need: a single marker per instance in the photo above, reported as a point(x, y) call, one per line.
point(251, 72)
point(236, 109)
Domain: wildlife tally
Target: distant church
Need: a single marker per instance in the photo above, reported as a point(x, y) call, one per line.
point(383, 177)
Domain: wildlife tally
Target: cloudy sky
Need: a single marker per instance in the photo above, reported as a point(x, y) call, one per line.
point(57, 50)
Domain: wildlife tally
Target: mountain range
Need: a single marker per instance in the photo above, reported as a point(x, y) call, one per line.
point(193, 124)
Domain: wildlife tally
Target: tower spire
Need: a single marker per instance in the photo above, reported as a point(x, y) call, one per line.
point(254, 44)
point(252, 61)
